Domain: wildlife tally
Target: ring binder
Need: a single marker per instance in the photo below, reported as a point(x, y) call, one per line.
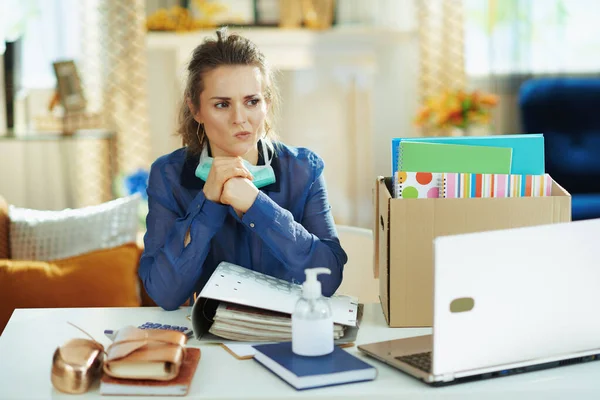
point(444, 188)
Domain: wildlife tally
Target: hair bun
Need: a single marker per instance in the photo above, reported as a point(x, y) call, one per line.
point(222, 34)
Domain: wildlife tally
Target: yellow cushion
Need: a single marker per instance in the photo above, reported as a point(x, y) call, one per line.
point(103, 278)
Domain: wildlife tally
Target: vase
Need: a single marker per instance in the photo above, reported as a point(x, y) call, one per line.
point(445, 132)
point(456, 131)
point(12, 81)
point(318, 14)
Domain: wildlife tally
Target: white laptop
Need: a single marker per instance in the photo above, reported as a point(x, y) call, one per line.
point(507, 302)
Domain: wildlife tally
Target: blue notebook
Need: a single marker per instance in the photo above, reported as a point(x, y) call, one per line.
point(310, 372)
point(527, 154)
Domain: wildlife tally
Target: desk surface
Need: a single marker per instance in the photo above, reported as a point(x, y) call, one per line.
point(31, 336)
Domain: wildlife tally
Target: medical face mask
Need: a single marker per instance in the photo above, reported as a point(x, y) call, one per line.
point(263, 174)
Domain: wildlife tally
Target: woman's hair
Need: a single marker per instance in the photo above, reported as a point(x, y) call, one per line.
point(228, 49)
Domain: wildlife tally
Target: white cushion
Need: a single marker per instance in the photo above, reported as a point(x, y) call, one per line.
point(51, 235)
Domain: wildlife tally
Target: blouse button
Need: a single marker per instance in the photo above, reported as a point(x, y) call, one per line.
point(251, 224)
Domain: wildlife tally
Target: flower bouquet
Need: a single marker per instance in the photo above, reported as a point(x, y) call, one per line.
point(456, 109)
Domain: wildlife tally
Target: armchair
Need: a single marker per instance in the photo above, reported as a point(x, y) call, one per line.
point(565, 110)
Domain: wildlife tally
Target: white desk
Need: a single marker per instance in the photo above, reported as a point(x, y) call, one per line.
point(31, 336)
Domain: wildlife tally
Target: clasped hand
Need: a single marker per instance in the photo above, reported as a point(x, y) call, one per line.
point(229, 182)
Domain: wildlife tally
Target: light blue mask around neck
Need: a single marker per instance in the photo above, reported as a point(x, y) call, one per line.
point(263, 174)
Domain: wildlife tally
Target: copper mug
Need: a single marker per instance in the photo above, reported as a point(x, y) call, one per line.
point(76, 365)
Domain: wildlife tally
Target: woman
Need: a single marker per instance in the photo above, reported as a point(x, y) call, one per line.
point(232, 193)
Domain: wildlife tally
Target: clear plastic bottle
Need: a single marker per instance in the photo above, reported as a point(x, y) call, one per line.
point(312, 319)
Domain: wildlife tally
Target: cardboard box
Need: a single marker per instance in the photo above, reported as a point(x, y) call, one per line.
point(406, 229)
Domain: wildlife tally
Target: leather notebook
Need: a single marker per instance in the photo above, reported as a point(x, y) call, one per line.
point(178, 386)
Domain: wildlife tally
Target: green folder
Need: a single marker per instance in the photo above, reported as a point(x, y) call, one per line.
point(438, 157)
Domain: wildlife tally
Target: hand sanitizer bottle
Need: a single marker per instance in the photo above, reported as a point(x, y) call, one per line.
point(312, 319)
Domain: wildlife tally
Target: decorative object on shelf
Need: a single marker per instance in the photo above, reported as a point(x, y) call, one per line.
point(131, 184)
point(181, 19)
point(318, 14)
point(3, 103)
point(68, 123)
point(11, 80)
point(236, 12)
point(67, 109)
point(290, 14)
point(69, 87)
point(266, 12)
point(454, 112)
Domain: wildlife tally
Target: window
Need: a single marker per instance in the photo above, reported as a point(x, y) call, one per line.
point(51, 33)
point(531, 36)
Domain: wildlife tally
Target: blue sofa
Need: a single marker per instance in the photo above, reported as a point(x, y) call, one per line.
point(567, 112)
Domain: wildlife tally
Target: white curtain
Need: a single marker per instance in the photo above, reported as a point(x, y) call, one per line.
point(441, 43)
point(123, 43)
point(15, 16)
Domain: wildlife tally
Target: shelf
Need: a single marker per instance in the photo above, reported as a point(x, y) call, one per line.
point(39, 136)
point(293, 49)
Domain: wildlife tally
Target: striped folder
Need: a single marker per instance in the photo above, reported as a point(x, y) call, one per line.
point(459, 185)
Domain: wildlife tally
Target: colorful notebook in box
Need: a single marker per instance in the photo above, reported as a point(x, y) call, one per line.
point(527, 155)
point(495, 185)
point(436, 157)
point(417, 185)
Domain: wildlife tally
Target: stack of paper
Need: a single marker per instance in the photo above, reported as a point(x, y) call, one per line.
point(249, 324)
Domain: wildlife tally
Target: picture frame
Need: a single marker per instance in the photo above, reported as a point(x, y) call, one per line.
point(69, 86)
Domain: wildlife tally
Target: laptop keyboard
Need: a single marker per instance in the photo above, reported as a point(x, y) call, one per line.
point(421, 361)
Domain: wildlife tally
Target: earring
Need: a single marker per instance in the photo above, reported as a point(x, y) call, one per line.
point(198, 132)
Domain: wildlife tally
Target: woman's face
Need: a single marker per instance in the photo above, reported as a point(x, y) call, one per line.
point(233, 110)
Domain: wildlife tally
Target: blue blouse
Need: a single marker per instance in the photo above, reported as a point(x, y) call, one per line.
point(288, 228)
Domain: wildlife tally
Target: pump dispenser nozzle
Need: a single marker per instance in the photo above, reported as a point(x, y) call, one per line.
point(311, 289)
